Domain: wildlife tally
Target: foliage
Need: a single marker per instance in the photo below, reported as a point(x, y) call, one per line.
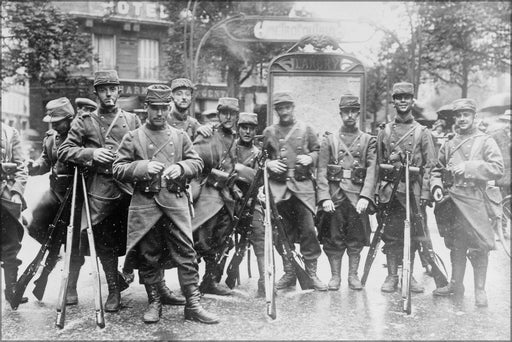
point(41, 43)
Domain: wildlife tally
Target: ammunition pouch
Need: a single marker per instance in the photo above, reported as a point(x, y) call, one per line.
point(279, 177)
point(334, 173)
point(220, 179)
point(152, 186)
point(60, 183)
point(302, 172)
point(388, 173)
point(358, 175)
point(447, 178)
point(8, 171)
point(176, 186)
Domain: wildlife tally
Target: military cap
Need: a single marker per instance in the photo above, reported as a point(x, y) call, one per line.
point(248, 119)
point(181, 83)
point(228, 103)
point(106, 77)
point(403, 88)
point(464, 104)
point(505, 116)
point(59, 109)
point(282, 97)
point(158, 94)
point(349, 101)
point(83, 101)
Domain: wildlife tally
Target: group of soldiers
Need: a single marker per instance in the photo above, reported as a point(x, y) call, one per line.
point(165, 193)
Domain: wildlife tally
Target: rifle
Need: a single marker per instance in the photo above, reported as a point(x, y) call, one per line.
point(377, 236)
point(270, 292)
point(52, 244)
point(233, 271)
point(406, 262)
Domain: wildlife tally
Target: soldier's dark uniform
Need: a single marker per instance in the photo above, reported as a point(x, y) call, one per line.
point(346, 173)
point(467, 231)
point(403, 135)
point(108, 198)
point(13, 177)
point(159, 221)
point(215, 206)
point(293, 191)
point(61, 177)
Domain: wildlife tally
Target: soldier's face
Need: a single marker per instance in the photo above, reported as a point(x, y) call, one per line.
point(464, 119)
point(108, 95)
point(350, 116)
point(285, 112)
point(84, 109)
point(182, 98)
point(228, 118)
point(403, 103)
point(246, 132)
point(157, 114)
point(61, 126)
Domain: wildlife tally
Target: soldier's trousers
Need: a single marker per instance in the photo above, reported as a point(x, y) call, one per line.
point(11, 238)
point(257, 236)
point(300, 226)
point(162, 242)
point(393, 233)
point(211, 235)
point(346, 231)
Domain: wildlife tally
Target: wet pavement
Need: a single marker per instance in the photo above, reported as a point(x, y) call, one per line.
point(301, 315)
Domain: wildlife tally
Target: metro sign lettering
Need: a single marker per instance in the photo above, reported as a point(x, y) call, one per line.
point(284, 30)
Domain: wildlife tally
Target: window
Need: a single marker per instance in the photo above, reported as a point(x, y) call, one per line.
point(148, 58)
point(105, 47)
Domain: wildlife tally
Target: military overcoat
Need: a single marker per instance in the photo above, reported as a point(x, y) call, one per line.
point(189, 125)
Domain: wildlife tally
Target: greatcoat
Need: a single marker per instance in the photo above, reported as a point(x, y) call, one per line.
point(189, 124)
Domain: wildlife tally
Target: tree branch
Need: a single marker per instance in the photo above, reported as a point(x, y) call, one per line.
point(248, 74)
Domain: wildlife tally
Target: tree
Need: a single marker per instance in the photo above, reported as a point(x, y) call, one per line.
point(461, 39)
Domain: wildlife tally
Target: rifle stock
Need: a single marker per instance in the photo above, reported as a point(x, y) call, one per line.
point(233, 271)
point(406, 262)
point(42, 281)
point(270, 292)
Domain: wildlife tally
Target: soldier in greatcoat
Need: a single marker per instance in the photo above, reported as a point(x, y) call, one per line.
point(398, 137)
point(346, 189)
point(158, 159)
point(459, 185)
point(59, 113)
point(292, 148)
point(14, 178)
point(214, 208)
point(92, 143)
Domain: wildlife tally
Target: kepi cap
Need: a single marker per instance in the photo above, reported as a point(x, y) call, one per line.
point(246, 118)
point(106, 77)
point(59, 109)
point(181, 83)
point(464, 104)
point(83, 101)
point(403, 88)
point(158, 94)
point(228, 103)
point(349, 101)
point(282, 97)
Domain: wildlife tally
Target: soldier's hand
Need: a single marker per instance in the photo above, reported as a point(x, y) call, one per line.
point(172, 172)
point(103, 156)
point(362, 205)
point(459, 169)
point(32, 166)
point(261, 194)
point(276, 166)
point(437, 194)
point(304, 159)
point(328, 206)
point(205, 130)
point(155, 167)
point(16, 198)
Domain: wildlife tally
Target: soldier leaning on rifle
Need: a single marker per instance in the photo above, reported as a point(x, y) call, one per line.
point(13, 177)
point(60, 114)
point(346, 187)
point(403, 135)
point(292, 148)
point(247, 154)
point(215, 206)
point(91, 144)
point(158, 159)
point(466, 163)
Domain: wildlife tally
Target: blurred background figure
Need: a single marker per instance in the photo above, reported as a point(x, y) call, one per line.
point(209, 115)
point(85, 105)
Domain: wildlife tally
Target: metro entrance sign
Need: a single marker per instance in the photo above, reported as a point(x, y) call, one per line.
point(293, 30)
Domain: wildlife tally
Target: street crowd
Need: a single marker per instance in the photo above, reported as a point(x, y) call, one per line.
point(164, 192)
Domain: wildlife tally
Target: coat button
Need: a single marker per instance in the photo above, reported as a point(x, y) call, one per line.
point(102, 117)
point(150, 146)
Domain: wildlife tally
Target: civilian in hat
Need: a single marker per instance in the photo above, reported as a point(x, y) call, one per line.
point(182, 92)
point(85, 105)
point(159, 159)
point(471, 159)
point(13, 177)
point(346, 188)
point(215, 206)
point(92, 143)
point(398, 137)
point(59, 113)
point(292, 147)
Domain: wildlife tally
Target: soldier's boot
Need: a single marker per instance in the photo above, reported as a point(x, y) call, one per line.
point(74, 271)
point(311, 270)
point(335, 263)
point(456, 285)
point(261, 281)
point(353, 279)
point(10, 278)
point(479, 262)
point(167, 297)
point(289, 278)
point(154, 310)
point(415, 286)
point(113, 302)
point(193, 309)
point(391, 282)
point(209, 285)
